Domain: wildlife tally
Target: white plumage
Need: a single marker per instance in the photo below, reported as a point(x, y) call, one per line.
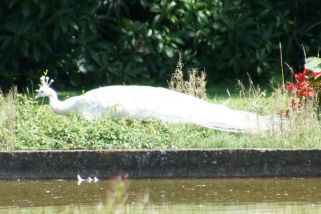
point(156, 103)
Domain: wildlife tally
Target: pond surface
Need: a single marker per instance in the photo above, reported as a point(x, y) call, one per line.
point(246, 195)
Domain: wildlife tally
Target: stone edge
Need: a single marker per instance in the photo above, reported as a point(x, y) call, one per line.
point(182, 163)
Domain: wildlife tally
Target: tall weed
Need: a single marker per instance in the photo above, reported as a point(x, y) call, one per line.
point(8, 118)
point(196, 84)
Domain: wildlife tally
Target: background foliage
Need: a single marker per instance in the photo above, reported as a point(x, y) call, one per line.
point(87, 43)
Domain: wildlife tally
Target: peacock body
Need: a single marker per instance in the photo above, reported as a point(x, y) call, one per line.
point(156, 103)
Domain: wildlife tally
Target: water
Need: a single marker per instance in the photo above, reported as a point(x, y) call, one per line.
point(250, 195)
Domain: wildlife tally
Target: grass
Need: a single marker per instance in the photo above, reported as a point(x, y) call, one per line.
point(8, 117)
point(27, 124)
point(195, 85)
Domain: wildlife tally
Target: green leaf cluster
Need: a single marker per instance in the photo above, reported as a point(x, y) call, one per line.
point(87, 43)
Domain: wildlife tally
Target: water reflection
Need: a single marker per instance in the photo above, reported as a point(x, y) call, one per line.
point(162, 195)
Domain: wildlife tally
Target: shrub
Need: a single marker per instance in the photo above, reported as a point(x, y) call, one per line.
point(92, 43)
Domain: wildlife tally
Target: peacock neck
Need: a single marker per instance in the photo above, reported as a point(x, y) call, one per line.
point(60, 107)
point(52, 96)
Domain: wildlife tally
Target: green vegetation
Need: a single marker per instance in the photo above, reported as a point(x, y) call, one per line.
point(90, 43)
point(30, 125)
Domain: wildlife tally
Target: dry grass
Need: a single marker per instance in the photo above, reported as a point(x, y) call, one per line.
point(254, 95)
point(303, 126)
point(196, 84)
point(291, 128)
point(8, 115)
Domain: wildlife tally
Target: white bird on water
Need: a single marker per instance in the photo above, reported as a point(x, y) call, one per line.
point(89, 179)
point(156, 103)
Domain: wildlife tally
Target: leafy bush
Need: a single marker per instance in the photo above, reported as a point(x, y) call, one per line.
point(91, 43)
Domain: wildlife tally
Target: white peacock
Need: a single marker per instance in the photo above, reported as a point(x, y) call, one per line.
point(156, 103)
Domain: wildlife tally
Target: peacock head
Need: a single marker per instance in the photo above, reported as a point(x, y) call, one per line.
point(44, 89)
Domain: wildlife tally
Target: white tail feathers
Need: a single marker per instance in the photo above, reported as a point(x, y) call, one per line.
point(228, 120)
point(260, 125)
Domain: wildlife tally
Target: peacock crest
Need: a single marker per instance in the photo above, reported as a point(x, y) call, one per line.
point(45, 80)
point(44, 86)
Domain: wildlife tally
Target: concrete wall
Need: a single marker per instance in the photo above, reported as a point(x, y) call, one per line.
point(160, 163)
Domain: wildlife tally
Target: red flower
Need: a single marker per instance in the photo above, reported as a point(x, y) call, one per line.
point(308, 84)
point(316, 75)
point(295, 105)
point(302, 85)
point(306, 72)
point(308, 92)
point(291, 88)
point(300, 77)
